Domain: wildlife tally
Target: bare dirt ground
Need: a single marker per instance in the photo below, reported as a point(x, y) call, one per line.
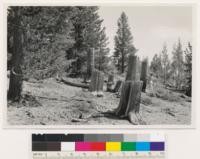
point(52, 103)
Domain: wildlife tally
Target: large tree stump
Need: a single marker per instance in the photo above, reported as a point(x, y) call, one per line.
point(130, 98)
point(96, 84)
point(143, 76)
point(129, 104)
point(110, 83)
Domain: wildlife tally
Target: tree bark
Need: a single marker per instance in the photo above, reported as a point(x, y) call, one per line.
point(133, 73)
point(143, 76)
point(130, 100)
point(90, 63)
point(96, 84)
point(122, 67)
point(16, 76)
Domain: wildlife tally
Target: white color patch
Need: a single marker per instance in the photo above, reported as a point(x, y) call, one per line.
point(67, 146)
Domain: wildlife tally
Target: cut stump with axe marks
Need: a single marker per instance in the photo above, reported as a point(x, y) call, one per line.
point(129, 105)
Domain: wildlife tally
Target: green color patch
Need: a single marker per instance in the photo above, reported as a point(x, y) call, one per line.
point(128, 146)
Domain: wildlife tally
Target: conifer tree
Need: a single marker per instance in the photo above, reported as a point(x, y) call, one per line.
point(188, 69)
point(165, 63)
point(155, 66)
point(88, 34)
point(123, 43)
point(178, 65)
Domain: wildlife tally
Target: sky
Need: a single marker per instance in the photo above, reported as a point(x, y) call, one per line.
point(151, 26)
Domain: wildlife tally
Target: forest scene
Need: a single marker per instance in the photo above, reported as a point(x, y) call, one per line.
point(65, 68)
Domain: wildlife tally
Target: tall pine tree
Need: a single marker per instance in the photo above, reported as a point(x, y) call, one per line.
point(101, 57)
point(89, 35)
point(123, 43)
point(178, 65)
point(165, 63)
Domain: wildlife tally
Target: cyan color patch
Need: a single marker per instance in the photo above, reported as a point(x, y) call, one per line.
point(142, 146)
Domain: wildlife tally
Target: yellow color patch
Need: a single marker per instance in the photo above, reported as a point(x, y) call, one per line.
point(113, 146)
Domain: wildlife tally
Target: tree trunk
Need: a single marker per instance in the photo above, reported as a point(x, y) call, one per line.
point(96, 84)
point(143, 76)
point(122, 67)
point(117, 86)
point(129, 104)
point(133, 72)
point(16, 76)
point(110, 83)
point(90, 63)
point(130, 98)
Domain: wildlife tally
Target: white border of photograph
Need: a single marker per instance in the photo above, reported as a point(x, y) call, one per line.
point(3, 58)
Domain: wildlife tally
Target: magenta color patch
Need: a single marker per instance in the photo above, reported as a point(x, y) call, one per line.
point(82, 146)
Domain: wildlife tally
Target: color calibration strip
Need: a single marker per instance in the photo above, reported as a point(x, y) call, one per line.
point(98, 145)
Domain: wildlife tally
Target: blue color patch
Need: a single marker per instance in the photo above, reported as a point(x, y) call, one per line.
point(142, 146)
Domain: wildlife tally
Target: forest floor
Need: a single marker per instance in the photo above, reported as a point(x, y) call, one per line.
point(50, 102)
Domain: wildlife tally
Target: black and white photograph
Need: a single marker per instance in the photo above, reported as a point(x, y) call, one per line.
point(99, 65)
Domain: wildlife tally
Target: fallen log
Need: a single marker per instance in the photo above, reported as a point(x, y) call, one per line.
point(74, 84)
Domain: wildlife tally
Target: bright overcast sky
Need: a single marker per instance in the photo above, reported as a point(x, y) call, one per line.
point(151, 26)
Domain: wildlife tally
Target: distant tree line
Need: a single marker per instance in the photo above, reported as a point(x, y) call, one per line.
point(175, 72)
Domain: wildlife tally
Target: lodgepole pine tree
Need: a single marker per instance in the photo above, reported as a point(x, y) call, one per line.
point(178, 65)
point(165, 63)
point(123, 43)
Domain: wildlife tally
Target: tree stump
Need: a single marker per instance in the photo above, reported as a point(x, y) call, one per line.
point(110, 83)
point(130, 98)
point(96, 84)
point(129, 104)
point(143, 76)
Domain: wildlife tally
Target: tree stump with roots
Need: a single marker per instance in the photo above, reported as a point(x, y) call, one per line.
point(129, 105)
point(96, 84)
